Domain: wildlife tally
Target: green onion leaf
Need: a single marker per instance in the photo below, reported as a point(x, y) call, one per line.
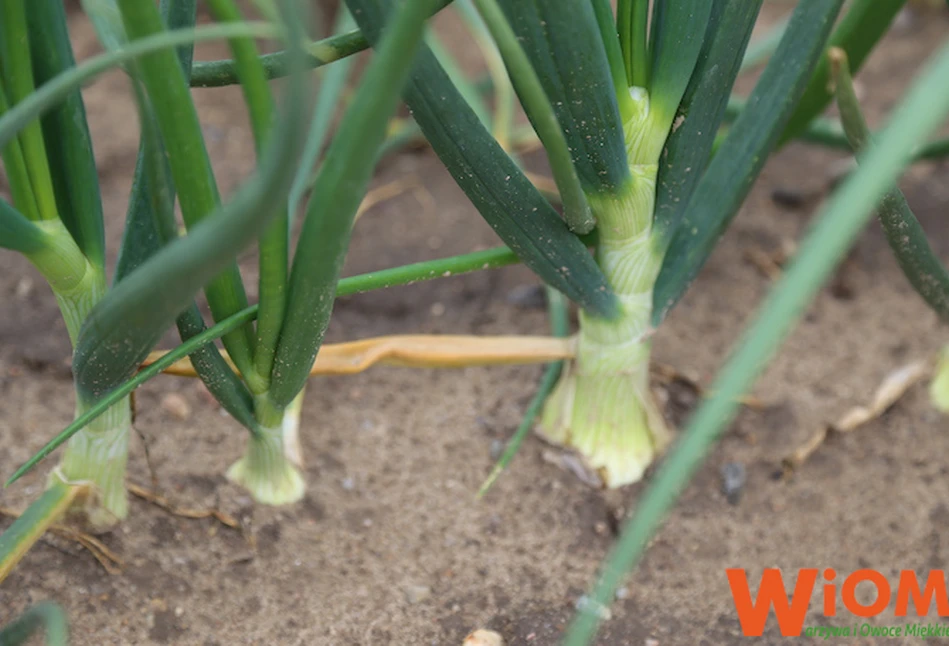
point(632, 20)
point(614, 54)
point(916, 258)
point(57, 89)
point(127, 323)
point(16, 79)
point(742, 154)
point(72, 164)
point(678, 32)
point(859, 31)
point(565, 47)
point(320, 53)
point(332, 84)
point(340, 186)
point(198, 196)
point(17, 232)
point(150, 224)
point(689, 146)
point(27, 529)
point(527, 84)
point(492, 181)
point(557, 306)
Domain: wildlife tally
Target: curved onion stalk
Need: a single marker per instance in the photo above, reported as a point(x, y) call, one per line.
point(916, 258)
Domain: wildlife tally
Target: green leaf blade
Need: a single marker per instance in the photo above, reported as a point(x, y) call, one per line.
point(920, 264)
point(16, 541)
point(167, 88)
point(504, 197)
point(66, 133)
point(678, 32)
point(858, 32)
point(733, 169)
point(17, 232)
point(565, 47)
point(689, 145)
point(339, 189)
point(128, 322)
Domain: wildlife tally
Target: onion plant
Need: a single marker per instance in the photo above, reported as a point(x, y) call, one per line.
point(55, 219)
point(627, 107)
point(922, 111)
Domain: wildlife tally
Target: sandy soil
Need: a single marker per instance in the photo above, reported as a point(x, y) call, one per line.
point(390, 546)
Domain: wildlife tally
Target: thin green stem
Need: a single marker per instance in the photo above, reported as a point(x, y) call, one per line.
point(614, 53)
point(332, 86)
point(274, 245)
point(222, 73)
point(557, 306)
point(830, 133)
point(190, 165)
point(577, 211)
point(640, 46)
point(322, 52)
point(15, 167)
point(503, 121)
point(17, 71)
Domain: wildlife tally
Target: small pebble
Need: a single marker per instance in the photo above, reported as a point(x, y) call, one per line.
point(483, 638)
point(527, 297)
point(417, 593)
point(790, 198)
point(176, 405)
point(733, 481)
point(622, 593)
point(24, 288)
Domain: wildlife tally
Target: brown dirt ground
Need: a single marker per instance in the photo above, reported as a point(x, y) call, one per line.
point(395, 455)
